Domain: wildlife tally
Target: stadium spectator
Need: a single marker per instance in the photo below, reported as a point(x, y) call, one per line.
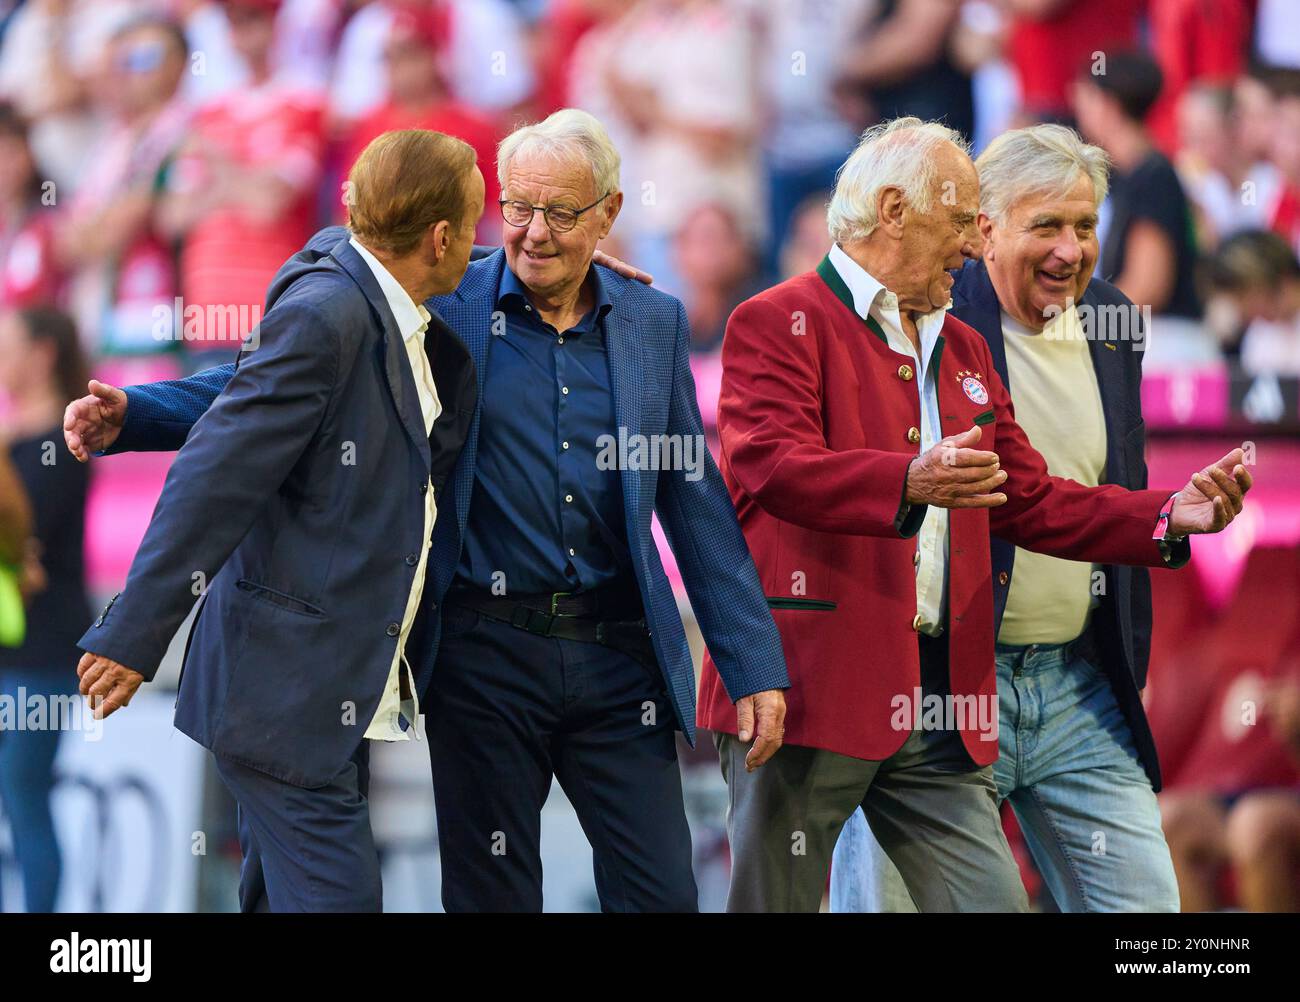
point(216, 66)
point(1239, 808)
point(1219, 167)
point(488, 60)
point(1257, 277)
point(903, 65)
point(682, 79)
point(1255, 107)
point(41, 368)
point(806, 137)
point(240, 197)
point(28, 273)
point(419, 97)
point(121, 268)
point(560, 31)
point(1284, 153)
point(1051, 40)
point(1194, 42)
point(719, 269)
point(51, 54)
point(807, 240)
point(1147, 251)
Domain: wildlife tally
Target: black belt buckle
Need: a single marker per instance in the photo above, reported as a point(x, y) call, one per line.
point(532, 620)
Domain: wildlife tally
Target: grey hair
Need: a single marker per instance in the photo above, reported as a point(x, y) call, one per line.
point(569, 134)
point(1041, 159)
point(896, 154)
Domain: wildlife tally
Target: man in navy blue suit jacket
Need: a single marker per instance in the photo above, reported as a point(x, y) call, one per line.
point(299, 509)
point(556, 648)
point(1077, 759)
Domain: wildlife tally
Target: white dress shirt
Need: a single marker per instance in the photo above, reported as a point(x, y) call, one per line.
point(870, 298)
point(412, 322)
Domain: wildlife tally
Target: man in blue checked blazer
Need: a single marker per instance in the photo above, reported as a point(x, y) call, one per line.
point(556, 649)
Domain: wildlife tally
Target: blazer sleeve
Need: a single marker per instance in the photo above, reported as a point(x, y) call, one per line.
point(239, 454)
point(721, 581)
point(1061, 517)
point(770, 422)
point(159, 415)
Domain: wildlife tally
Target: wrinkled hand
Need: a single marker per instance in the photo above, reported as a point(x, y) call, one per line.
point(769, 709)
point(622, 267)
point(1212, 498)
point(953, 474)
point(92, 423)
point(108, 685)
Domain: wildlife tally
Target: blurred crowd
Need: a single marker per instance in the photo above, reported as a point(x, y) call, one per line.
point(155, 149)
point(159, 159)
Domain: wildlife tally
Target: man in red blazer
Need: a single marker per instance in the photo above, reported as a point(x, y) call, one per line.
point(870, 448)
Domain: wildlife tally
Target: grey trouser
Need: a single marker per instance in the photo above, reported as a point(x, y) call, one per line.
point(934, 815)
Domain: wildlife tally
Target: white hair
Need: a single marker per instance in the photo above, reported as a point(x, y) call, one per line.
point(569, 134)
point(896, 154)
point(1041, 160)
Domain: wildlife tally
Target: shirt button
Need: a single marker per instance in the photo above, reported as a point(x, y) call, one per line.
point(412, 560)
point(564, 445)
point(905, 372)
point(572, 553)
point(916, 623)
point(1002, 577)
point(528, 308)
point(564, 390)
point(561, 340)
point(913, 435)
point(568, 498)
point(393, 629)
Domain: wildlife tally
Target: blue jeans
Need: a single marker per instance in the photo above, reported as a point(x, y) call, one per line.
point(26, 781)
point(1067, 763)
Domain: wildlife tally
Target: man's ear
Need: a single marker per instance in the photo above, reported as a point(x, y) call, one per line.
point(613, 206)
point(890, 205)
point(439, 239)
point(985, 225)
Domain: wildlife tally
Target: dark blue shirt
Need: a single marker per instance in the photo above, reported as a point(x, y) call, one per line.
point(544, 516)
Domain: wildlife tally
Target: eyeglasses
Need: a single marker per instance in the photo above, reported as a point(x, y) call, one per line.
point(559, 218)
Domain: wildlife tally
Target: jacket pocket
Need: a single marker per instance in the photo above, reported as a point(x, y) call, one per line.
point(278, 598)
point(806, 604)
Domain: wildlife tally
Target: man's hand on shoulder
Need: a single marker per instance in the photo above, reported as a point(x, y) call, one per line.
point(93, 422)
point(108, 685)
point(622, 267)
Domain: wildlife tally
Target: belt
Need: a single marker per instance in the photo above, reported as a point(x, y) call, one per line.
point(602, 616)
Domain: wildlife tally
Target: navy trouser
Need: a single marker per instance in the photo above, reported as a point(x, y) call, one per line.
point(26, 781)
point(306, 850)
point(507, 711)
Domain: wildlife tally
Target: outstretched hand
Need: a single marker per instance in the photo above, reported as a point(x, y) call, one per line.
point(1212, 498)
point(93, 422)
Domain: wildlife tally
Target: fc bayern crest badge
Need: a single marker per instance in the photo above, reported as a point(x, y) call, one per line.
point(974, 389)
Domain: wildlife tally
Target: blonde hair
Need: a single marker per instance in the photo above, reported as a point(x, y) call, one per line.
point(403, 183)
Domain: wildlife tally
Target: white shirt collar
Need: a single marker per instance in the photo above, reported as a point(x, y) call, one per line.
point(872, 298)
point(411, 318)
